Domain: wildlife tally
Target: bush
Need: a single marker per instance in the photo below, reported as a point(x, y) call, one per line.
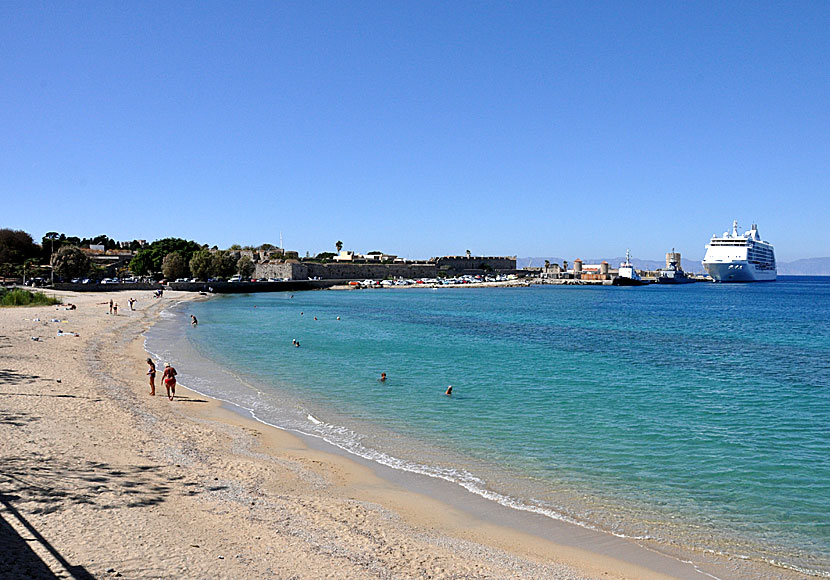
point(19, 297)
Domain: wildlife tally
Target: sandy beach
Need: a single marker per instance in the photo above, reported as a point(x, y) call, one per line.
point(101, 480)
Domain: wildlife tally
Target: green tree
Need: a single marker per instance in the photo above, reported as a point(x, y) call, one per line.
point(201, 264)
point(245, 267)
point(339, 246)
point(142, 263)
point(235, 247)
point(16, 246)
point(174, 266)
point(70, 262)
point(266, 247)
point(151, 258)
point(324, 256)
point(223, 264)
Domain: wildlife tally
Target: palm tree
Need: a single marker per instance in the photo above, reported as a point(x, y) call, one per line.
point(339, 246)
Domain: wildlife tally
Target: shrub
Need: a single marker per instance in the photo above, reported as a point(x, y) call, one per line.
point(20, 297)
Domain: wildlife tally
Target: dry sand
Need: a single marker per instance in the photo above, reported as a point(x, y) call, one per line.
point(99, 479)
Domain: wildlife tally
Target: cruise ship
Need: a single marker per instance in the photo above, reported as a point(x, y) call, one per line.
point(735, 257)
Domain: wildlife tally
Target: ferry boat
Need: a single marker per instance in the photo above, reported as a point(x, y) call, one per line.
point(628, 275)
point(735, 257)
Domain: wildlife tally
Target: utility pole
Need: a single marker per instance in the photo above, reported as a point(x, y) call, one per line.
point(52, 236)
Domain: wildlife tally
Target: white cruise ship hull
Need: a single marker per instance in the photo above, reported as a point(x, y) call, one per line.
point(738, 271)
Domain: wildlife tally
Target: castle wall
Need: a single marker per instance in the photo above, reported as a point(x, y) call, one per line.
point(343, 271)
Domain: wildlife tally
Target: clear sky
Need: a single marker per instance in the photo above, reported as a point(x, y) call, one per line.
point(573, 129)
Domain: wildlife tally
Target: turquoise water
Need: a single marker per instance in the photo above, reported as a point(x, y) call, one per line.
point(696, 415)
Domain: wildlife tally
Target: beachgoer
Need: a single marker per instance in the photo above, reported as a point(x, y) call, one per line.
point(169, 378)
point(297, 343)
point(338, 318)
point(315, 318)
point(151, 372)
point(115, 308)
point(110, 305)
point(132, 303)
point(193, 320)
point(449, 391)
point(382, 377)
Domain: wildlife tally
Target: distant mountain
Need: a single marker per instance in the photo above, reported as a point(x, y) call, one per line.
point(805, 267)
point(691, 266)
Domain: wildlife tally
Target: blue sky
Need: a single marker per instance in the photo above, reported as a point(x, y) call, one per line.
point(419, 128)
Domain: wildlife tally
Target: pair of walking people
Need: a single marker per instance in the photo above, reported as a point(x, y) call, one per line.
point(168, 377)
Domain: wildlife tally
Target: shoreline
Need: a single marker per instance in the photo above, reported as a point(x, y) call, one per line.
point(260, 481)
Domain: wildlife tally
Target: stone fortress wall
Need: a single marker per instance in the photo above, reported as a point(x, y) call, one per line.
point(333, 271)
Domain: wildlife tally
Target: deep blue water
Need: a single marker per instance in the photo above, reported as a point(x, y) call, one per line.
point(696, 414)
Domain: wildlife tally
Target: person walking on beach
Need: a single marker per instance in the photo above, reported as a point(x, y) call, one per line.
point(115, 308)
point(110, 305)
point(169, 378)
point(132, 303)
point(151, 372)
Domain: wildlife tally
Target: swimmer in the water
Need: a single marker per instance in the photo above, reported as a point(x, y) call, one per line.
point(382, 377)
point(449, 391)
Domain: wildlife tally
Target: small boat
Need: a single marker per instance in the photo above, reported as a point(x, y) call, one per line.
point(628, 275)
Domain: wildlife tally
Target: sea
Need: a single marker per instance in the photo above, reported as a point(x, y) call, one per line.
point(695, 417)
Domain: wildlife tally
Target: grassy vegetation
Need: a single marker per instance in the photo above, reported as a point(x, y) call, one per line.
point(20, 297)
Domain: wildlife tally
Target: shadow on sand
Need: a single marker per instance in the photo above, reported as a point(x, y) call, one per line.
point(38, 485)
point(182, 399)
point(18, 560)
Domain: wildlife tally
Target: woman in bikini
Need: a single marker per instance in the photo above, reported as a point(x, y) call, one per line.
point(169, 378)
point(151, 372)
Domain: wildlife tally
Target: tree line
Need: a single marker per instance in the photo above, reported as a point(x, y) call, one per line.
point(172, 258)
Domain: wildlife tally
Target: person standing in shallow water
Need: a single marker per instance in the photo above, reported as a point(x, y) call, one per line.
point(169, 378)
point(151, 372)
point(193, 320)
